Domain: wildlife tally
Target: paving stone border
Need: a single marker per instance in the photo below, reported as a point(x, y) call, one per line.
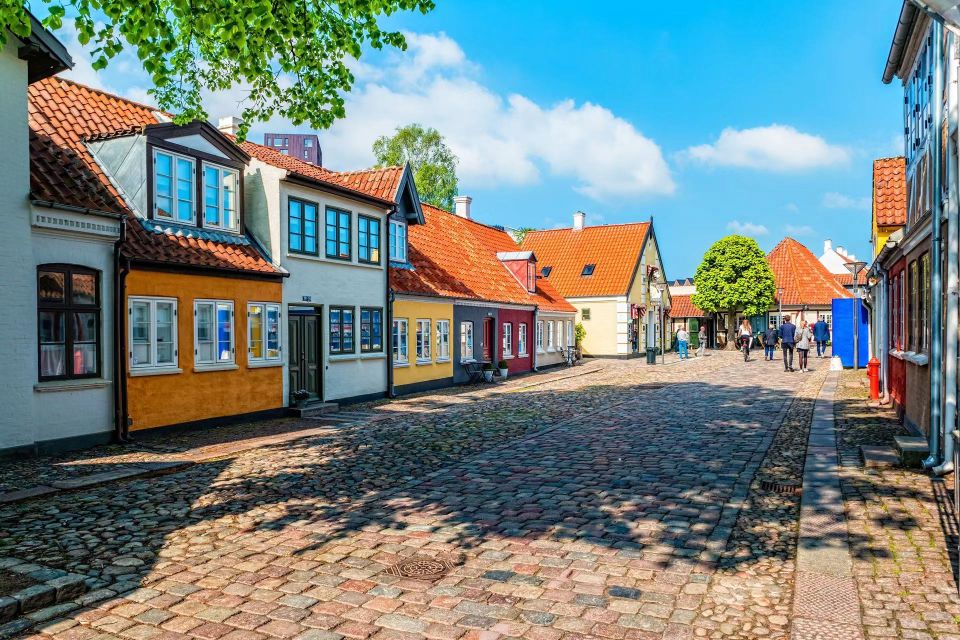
point(52, 596)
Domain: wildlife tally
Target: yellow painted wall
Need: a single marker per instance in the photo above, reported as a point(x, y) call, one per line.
point(880, 236)
point(601, 338)
point(412, 311)
point(160, 400)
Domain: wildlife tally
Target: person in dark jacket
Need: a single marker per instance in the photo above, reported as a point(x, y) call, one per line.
point(769, 341)
point(788, 340)
point(821, 334)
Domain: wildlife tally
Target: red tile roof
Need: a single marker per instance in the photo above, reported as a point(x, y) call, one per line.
point(381, 183)
point(804, 278)
point(453, 257)
point(890, 191)
point(62, 115)
point(683, 307)
point(613, 248)
point(845, 279)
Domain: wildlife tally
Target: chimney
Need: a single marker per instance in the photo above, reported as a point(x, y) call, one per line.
point(827, 246)
point(842, 251)
point(579, 217)
point(229, 125)
point(461, 206)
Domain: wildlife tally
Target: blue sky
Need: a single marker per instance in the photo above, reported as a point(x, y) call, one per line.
point(719, 118)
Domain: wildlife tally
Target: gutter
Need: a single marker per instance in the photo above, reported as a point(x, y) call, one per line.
point(121, 424)
point(908, 16)
point(49, 204)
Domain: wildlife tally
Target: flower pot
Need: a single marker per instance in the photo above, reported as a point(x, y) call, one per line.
point(503, 373)
point(488, 375)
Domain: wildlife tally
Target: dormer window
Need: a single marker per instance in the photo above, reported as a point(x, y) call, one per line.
point(398, 240)
point(220, 197)
point(545, 272)
point(174, 190)
point(531, 276)
point(193, 192)
point(588, 269)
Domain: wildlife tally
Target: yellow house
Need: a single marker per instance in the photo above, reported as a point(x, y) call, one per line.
point(889, 192)
point(422, 344)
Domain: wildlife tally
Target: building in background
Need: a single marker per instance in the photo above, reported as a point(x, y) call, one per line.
point(302, 146)
point(808, 287)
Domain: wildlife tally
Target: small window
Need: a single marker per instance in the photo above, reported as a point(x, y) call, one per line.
point(153, 333)
point(302, 226)
point(539, 336)
point(68, 313)
point(550, 344)
point(545, 272)
point(220, 198)
point(585, 313)
point(263, 332)
point(400, 341)
point(173, 187)
point(560, 342)
point(531, 277)
point(341, 330)
point(368, 240)
point(588, 269)
point(338, 234)
point(307, 143)
point(213, 334)
point(466, 341)
point(371, 330)
point(398, 241)
point(443, 340)
point(522, 339)
point(507, 339)
point(423, 341)
point(284, 152)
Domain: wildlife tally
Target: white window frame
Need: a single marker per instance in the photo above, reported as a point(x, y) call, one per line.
point(218, 361)
point(174, 217)
point(423, 344)
point(550, 343)
point(443, 340)
point(466, 341)
point(522, 339)
point(401, 330)
point(152, 365)
point(570, 338)
point(266, 308)
point(560, 343)
point(398, 247)
point(235, 219)
point(507, 340)
point(539, 336)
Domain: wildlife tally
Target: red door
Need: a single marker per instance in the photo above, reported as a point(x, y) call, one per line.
point(488, 339)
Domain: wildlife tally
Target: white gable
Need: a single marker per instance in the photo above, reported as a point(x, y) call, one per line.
point(199, 143)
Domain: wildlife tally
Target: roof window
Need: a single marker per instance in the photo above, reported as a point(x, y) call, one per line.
point(588, 269)
point(545, 272)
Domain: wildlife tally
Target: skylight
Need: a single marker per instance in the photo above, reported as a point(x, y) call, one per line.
point(588, 270)
point(545, 272)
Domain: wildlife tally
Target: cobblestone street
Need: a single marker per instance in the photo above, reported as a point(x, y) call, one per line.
point(627, 503)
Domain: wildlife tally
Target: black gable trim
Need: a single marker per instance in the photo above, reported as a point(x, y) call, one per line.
point(166, 130)
point(408, 200)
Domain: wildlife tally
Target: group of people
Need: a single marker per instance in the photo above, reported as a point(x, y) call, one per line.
point(790, 337)
point(683, 342)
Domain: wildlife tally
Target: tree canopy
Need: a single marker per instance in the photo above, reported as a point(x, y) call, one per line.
point(290, 58)
point(434, 165)
point(734, 276)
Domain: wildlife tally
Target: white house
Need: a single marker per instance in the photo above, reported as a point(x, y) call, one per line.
point(836, 259)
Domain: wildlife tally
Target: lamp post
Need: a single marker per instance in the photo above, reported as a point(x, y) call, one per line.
point(780, 291)
point(660, 286)
point(855, 268)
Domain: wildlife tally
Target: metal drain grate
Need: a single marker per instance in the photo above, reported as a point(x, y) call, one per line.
point(780, 487)
point(421, 568)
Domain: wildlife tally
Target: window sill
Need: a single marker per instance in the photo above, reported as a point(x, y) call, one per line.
point(80, 384)
point(523, 355)
point(345, 357)
point(540, 351)
point(226, 366)
point(439, 360)
point(264, 365)
point(401, 365)
point(421, 363)
point(338, 261)
point(508, 357)
point(373, 355)
point(919, 359)
point(154, 371)
point(551, 350)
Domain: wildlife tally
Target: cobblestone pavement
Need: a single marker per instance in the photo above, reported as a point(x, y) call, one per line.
point(593, 506)
point(903, 533)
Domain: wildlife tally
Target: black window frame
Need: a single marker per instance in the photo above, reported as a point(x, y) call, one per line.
point(379, 235)
point(545, 272)
point(67, 307)
point(326, 227)
point(585, 313)
point(341, 324)
point(370, 324)
point(303, 224)
point(588, 270)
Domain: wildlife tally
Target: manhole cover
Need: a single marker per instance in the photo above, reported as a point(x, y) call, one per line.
point(421, 568)
point(779, 487)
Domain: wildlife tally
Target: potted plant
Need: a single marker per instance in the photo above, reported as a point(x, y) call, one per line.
point(502, 365)
point(488, 372)
point(300, 398)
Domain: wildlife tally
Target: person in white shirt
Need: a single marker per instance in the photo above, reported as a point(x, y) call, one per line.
point(745, 334)
point(683, 342)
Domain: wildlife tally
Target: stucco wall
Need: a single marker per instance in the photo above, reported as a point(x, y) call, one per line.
point(464, 313)
point(160, 400)
point(415, 372)
point(607, 327)
point(547, 358)
point(517, 363)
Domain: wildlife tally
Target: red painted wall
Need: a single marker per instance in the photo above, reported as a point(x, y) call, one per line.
point(896, 367)
point(515, 317)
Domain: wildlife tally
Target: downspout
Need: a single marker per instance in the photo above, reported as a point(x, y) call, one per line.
point(388, 305)
point(936, 275)
point(884, 347)
point(536, 354)
point(951, 332)
point(121, 422)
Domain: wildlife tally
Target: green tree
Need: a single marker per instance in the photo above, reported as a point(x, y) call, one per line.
point(290, 58)
point(734, 277)
point(434, 165)
point(521, 233)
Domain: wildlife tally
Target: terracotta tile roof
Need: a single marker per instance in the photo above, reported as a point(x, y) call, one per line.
point(845, 279)
point(381, 183)
point(804, 278)
point(454, 257)
point(613, 248)
point(890, 191)
point(683, 307)
point(62, 115)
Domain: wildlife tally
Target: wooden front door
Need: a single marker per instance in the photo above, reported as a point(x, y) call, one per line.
point(488, 339)
point(305, 356)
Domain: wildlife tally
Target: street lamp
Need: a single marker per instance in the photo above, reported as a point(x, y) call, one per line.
point(855, 268)
point(660, 286)
point(780, 291)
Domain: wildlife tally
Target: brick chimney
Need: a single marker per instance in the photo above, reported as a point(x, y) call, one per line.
point(461, 206)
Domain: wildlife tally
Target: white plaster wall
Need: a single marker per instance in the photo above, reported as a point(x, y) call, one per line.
point(546, 358)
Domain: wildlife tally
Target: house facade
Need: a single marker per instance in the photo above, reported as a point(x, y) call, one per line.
point(607, 272)
point(807, 287)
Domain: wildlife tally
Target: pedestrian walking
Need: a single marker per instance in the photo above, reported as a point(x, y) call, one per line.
point(769, 341)
point(787, 341)
point(821, 334)
point(745, 337)
point(702, 344)
point(803, 336)
point(683, 343)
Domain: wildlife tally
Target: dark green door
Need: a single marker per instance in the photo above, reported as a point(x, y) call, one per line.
point(693, 327)
point(305, 357)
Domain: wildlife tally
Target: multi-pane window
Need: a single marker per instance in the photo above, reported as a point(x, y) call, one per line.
point(443, 340)
point(220, 197)
point(539, 337)
point(423, 340)
point(213, 332)
point(400, 354)
point(507, 339)
point(153, 333)
point(550, 343)
point(570, 337)
point(531, 276)
point(560, 342)
point(173, 187)
point(263, 332)
point(913, 312)
point(466, 341)
point(924, 302)
point(341, 330)
point(68, 314)
point(398, 241)
point(338, 234)
point(585, 313)
point(302, 226)
point(522, 339)
point(368, 240)
point(371, 330)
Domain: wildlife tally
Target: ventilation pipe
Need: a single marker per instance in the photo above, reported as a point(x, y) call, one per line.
point(461, 206)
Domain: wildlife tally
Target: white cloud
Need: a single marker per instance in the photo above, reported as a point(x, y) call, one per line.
point(125, 63)
point(835, 200)
point(800, 230)
point(790, 206)
point(747, 228)
point(772, 148)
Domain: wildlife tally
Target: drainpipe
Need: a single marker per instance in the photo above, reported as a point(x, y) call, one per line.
point(936, 275)
point(121, 421)
point(536, 355)
point(388, 312)
point(952, 287)
point(884, 347)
